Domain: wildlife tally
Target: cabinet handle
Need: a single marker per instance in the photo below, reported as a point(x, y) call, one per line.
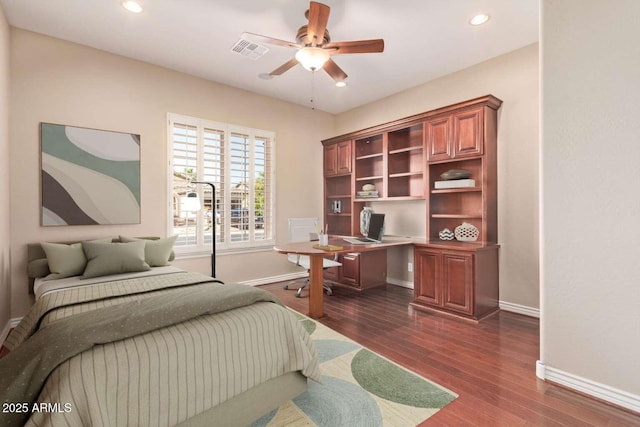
point(350, 257)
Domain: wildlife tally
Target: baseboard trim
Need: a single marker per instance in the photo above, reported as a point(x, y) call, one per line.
point(401, 283)
point(520, 309)
point(591, 388)
point(274, 279)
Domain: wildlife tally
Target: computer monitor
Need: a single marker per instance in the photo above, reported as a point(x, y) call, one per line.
point(376, 224)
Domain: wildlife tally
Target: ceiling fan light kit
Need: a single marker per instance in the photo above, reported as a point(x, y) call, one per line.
point(132, 6)
point(312, 58)
point(479, 19)
point(315, 47)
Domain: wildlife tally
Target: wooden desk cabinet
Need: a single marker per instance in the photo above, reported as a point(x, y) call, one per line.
point(360, 270)
point(459, 281)
point(405, 160)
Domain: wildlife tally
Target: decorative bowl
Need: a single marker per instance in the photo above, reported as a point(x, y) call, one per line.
point(467, 232)
point(446, 234)
point(368, 187)
point(455, 174)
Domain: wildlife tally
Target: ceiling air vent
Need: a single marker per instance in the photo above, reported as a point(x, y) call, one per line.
point(249, 49)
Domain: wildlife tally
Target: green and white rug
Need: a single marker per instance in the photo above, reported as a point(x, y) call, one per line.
point(359, 388)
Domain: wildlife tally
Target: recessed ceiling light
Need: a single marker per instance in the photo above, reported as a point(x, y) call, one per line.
point(341, 84)
point(132, 6)
point(479, 19)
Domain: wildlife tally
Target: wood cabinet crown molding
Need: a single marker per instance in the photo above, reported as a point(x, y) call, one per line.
point(487, 100)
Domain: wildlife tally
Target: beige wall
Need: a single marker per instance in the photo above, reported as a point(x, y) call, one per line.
point(5, 280)
point(590, 200)
point(514, 78)
point(60, 82)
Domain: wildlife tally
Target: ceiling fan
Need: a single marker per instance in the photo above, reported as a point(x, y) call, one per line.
point(315, 46)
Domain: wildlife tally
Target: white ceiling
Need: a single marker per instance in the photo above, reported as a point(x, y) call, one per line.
point(424, 39)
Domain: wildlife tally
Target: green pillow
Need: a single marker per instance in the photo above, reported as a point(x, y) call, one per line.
point(38, 268)
point(66, 260)
point(113, 258)
point(156, 252)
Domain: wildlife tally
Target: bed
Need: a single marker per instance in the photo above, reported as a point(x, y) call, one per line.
point(160, 346)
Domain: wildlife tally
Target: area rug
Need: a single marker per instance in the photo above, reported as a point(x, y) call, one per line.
point(359, 388)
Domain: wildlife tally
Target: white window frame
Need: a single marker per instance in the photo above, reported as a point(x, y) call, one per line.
point(202, 248)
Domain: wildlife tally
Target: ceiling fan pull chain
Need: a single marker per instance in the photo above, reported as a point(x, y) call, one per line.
point(313, 79)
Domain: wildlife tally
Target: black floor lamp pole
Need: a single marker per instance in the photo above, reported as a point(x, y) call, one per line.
point(213, 225)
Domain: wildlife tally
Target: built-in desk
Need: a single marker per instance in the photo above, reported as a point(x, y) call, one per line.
point(316, 310)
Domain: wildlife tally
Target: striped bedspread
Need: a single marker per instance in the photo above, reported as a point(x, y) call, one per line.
point(168, 375)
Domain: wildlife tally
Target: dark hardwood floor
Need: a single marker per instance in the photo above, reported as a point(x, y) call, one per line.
point(490, 365)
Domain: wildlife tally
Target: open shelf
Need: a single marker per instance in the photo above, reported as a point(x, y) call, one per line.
point(405, 163)
point(369, 178)
point(405, 138)
point(407, 149)
point(456, 190)
point(456, 216)
point(371, 168)
point(338, 187)
point(369, 156)
point(408, 184)
point(369, 146)
point(399, 175)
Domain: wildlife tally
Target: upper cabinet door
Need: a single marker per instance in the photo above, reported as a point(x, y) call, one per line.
point(330, 160)
point(467, 133)
point(337, 159)
point(439, 146)
point(455, 136)
point(343, 158)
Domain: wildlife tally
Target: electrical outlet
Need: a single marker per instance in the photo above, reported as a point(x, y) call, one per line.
point(410, 267)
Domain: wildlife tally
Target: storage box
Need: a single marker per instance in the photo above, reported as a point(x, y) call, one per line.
point(455, 183)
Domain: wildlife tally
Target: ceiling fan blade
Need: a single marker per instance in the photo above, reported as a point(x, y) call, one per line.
point(360, 46)
point(284, 67)
point(257, 38)
point(318, 18)
point(334, 71)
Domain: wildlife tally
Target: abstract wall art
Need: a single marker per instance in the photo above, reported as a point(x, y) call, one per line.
point(89, 176)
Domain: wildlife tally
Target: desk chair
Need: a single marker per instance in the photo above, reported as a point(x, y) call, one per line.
point(301, 230)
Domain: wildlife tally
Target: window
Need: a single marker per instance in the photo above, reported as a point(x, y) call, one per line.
point(239, 163)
